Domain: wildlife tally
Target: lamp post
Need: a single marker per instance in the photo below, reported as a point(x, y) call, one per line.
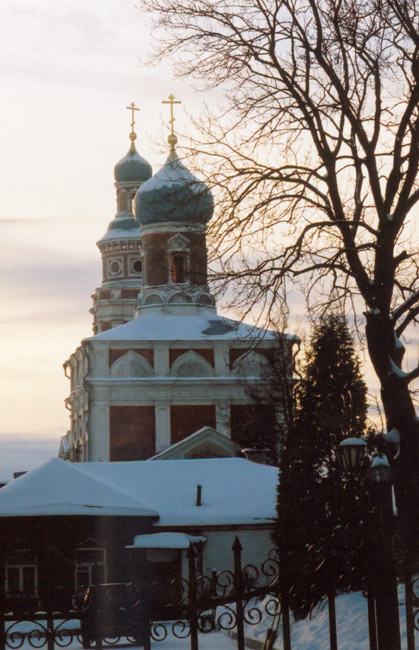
point(383, 608)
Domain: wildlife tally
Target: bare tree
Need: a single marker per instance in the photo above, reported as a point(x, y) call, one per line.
point(315, 160)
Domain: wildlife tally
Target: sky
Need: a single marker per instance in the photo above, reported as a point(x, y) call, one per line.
point(68, 70)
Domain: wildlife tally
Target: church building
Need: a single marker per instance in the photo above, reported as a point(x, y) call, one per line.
point(164, 375)
point(163, 378)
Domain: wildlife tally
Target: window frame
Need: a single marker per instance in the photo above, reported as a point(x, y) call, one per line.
point(89, 565)
point(20, 566)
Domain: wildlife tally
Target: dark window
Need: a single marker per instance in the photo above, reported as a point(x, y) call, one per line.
point(115, 267)
point(187, 418)
point(13, 580)
point(28, 580)
point(21, 573)
point(137, 266)
point(179, 269)
point(131, 432)
point(90, 567)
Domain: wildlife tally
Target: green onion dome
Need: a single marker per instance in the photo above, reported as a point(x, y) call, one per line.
point(173, 194)
point(132, 168)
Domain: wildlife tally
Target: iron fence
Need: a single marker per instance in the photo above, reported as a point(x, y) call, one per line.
point(185, 608)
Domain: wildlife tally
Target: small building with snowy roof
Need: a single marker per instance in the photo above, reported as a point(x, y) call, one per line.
point(162, 364)
point(67, 525)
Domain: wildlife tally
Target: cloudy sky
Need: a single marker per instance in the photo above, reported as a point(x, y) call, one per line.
point(68, 69)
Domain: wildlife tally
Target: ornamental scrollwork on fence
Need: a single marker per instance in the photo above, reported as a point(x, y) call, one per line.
point(38, 632)
point(124, 612)
point(415, 594)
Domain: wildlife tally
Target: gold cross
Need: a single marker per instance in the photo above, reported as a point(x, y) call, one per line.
point(132, 108)
point(171, 101)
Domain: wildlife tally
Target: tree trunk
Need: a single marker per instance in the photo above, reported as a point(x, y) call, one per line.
point(400, 414)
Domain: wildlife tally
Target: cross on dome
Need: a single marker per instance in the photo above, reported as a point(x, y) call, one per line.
point(172, 139)
point(132, 107)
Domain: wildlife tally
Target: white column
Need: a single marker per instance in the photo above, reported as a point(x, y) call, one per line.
point(99, 360)
point(99, 432)
point(222, 418)
point(221, 361)
point(161, 360)
point(162, 426)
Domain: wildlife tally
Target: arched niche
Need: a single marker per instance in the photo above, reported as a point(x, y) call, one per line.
point(180, 297)
point(191, 364)
point(153, 299)
point(250, 364)
point(131, 365)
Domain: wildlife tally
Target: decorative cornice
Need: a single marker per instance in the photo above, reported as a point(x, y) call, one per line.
point(128, 245)
point(172, 227)
point(175, 294)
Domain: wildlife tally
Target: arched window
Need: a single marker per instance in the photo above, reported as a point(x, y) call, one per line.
point(178, 268)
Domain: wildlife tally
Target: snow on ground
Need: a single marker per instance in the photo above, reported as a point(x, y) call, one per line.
point(309, 634)
point(313, 634)
point(212, 641)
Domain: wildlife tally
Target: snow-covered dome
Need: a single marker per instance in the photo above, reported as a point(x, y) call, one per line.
point(173, 194)
point(124, 226)
point(132, 168)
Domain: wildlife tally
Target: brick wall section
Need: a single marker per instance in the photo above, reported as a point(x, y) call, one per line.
point(156, 260)
point(132, 432)
point(207, 354)
point(130, 294)
point(186, 419)
point(198, 259)
point(155, 269)
point(249, 423)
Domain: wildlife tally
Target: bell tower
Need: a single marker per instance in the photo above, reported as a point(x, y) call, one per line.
point(172, 210)
point(114, 301)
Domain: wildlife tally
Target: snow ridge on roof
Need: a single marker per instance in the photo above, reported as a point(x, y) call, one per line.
point(207, 325)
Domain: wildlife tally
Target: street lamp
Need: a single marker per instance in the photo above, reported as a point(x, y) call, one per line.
point(350, 454)
point(383, 610)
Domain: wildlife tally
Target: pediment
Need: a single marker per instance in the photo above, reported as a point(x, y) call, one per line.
point(191, 364)
point(204, 443)
point(178, 243)
point(250, 364)
point(131, 365)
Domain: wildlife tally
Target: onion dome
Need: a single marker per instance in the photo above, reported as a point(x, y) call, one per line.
point(132, 168)
point(122, 227)
point(173, 194)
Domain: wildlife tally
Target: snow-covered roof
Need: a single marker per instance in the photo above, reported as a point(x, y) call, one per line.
point(234, 491)
point(120, 233)
point(59, 488)
point(165, 540)
point(205, 325)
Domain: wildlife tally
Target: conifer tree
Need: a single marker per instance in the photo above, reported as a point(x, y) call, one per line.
point(332, 396)
point(316, 546)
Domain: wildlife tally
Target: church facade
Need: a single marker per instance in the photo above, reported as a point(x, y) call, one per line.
point(163, 379)
point(162, 363)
